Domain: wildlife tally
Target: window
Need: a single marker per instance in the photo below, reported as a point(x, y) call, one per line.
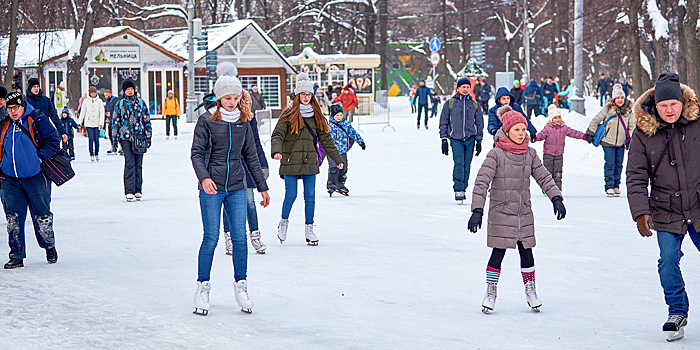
point(201, 84)
point(268, 86)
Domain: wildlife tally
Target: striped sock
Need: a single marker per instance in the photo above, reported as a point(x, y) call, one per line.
point(492, 275)
point(528, 274)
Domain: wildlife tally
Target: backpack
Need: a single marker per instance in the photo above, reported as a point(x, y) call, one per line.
point(451, 104)
point(530, 99)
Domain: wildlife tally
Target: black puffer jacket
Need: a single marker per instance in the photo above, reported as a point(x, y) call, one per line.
point(219, 149)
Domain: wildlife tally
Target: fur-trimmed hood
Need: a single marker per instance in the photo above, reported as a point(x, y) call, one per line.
point(648, 120)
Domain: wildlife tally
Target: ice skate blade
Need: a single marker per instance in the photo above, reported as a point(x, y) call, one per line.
point(486, 310)
point(260, 251)
point(673, 336)
point(200, 311)
point(536, 308)
point(247, 311)
point(312, 243)
point(229, 253)
point(460, 202)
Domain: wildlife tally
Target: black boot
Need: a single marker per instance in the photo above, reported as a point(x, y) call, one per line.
point(51, 255)
point(14, 263)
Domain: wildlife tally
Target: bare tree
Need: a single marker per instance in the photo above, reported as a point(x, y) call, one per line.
point(76, 62)
point(10, 71)
point(692, 46)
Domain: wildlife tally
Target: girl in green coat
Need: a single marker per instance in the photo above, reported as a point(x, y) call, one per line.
point(300, 129)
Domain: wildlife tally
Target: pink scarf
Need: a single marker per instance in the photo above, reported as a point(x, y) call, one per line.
point(508, 145)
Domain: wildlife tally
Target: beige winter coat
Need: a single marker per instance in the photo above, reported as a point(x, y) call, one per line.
point(615, 135)
point(510, 217)
point(92, 113)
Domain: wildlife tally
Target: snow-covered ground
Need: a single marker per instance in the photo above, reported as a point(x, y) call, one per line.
point(395, 267)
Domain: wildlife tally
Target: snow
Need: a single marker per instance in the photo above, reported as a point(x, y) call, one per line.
point(658, 21)
point(623, 18)
point(395, 268)
point(645, 63)
point(312, 55)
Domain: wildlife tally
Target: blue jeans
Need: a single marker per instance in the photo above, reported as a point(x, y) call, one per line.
point(670, 271)
point(462, 154)
point(614, 156)
point(290, 195)
point(93, 140)
point(35, 193)
point(234, 204)
point(252, 213)
point(603, 97)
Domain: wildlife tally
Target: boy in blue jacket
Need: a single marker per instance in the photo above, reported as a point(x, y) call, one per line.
point(504, 97)
point(341, 131)
point(68, 124)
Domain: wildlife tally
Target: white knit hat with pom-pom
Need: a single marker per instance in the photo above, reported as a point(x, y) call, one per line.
point(304, 84)
point(227, 85)
point(553, 111)
point(226, 69)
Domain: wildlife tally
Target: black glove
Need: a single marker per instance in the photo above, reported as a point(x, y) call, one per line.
point(493, 132)
point(445, 147)
point(475, 221)
point(148, 143)
point(559, 208)
point(362, 145)
point(533, 137)
point(478, 148)
point(589, 138)
point(627, 145)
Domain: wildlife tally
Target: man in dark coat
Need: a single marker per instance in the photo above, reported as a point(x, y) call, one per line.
point(532, 97)
point(257, 99)
point(462, 127)
point(602, 88)
point(43, 104)
point(485, 96)
point(516, 92)
point(665, 152)
point(110, 102)
point(3, 109)
point(548, 89)
point(423, 97)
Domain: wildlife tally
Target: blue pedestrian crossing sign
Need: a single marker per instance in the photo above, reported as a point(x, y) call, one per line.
point(435, 44)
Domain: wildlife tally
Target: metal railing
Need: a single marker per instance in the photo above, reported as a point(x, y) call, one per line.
point(373, 114)
point(264, 118)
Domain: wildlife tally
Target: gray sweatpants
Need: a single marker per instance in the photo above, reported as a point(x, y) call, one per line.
point(555, 166)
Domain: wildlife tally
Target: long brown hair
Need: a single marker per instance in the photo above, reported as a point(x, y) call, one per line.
point(246, 114)
point(295, 120)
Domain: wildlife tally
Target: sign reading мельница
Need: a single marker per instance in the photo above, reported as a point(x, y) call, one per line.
point(111, 54)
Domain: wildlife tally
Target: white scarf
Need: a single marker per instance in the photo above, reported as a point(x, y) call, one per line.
point(306, 110)
point(230, 117)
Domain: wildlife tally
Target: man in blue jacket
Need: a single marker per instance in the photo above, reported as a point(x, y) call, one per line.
point(423, 98)
point(503, 97)
point(485, 95)
point(43, 104)
point(532, 97)
point(462, 123)
point(27, 139)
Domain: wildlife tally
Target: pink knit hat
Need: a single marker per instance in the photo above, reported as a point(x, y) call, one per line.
point(509, 117)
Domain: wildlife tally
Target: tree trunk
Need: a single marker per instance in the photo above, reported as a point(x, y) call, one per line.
point(75, 64)
point(10, 72)
point(383, 10)
point(661, 46)
point(692, 46)
point(370, 26)
point(680, 61)
point(564, 39)
point(296, 39)
point(638, 74)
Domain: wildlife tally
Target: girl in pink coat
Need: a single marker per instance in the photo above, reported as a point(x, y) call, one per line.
point(554, 136)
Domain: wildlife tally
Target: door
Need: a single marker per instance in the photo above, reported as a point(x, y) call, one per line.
point(155, 92)
point(124, 73)
point(101, 78)
point(172, 82)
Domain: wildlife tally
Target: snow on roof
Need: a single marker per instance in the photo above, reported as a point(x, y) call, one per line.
point(97, 34)
point(309, 53)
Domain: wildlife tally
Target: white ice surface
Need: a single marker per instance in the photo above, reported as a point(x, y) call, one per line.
point(395, 267)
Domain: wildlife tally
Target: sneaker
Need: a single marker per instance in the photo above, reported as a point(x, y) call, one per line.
point(240, 290)
point(311, 238)
point(14, 263)
point(201, 298)
point(610, 192)
point(282, 230)
point(674, 327)
point(130, 197)
point(227, 243)
point(256, 242)
point(51, 255)
point(138, 196)
point(617, 191)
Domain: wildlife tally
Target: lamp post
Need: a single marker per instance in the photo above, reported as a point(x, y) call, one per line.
point(577, 101)
point(191, 98)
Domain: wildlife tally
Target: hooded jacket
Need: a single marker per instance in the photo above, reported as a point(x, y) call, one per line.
point(20, 157)
point(92, 115)
point(510, 217)
point(463, 121)
point(615, 135)
point(554, 137)
point(674, 199)
point(532, 87)
point(495, 122)
point(44, 105)
point(109, 108)
point(171, 106)
point(340, 138)
point(68, 123)
point(348, 101)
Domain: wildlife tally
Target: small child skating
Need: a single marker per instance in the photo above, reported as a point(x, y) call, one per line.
point(507, 170)
point(341, 130)
point(554, 135)
point(68, 124)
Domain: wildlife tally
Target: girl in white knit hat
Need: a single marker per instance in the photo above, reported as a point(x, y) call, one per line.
point(222, 143)
point(298, 142)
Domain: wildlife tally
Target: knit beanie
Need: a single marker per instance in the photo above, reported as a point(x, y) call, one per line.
point(226, 69)
point(227, 85)
point(66, 111)
point(32, 82)
point(553, 111)
point(335, 109)
point(509, 117)
point(668, 87)
point(15, 99)
point(304, 84)
point(617, 91)
point(463, 81)
point(128, 83)
point(92, 89)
